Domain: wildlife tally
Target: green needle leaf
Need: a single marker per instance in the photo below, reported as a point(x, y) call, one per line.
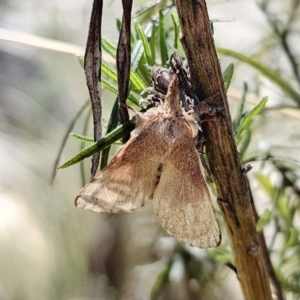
point(266, 71)
point(146, 45)
point(103, 143)
point(227, 76)
point(176, 30)
point(109, 47)
point(82, 137)
point(162, 39)
point(248, 118)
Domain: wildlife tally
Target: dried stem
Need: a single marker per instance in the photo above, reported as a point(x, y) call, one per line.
point(92, 68)
point(231, 182)
point(123, 63)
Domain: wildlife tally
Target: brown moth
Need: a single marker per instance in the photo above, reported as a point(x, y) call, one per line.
point(159, 163)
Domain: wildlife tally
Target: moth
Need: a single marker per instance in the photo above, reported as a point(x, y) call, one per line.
point(160, 163)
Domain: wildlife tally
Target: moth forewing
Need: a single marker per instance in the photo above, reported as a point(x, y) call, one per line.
point(129, 179)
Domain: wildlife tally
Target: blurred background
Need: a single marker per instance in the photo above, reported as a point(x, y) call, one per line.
point(51, 250)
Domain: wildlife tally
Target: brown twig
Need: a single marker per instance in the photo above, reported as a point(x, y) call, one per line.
point(123, 63)
point(92, 68)
point(233, 192)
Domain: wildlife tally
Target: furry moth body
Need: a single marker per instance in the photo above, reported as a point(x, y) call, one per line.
point(161, 164)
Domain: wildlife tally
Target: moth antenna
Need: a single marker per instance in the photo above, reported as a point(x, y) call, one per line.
point(129, 107)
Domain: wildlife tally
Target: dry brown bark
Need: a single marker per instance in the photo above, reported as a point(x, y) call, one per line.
point(222, 153)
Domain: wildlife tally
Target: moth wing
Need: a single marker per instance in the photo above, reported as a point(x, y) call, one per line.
point(182, 201)
point(128, 180)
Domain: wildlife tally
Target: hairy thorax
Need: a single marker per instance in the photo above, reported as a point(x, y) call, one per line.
point(176, 128)
point(171, 126)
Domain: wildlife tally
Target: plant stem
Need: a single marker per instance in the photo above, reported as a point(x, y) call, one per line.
point(231, 182)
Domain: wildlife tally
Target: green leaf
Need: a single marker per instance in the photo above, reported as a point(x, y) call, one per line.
point(221, 254)
point(146, 45)
point(81, 60)
point(136, 80)
point(161, 280)
point(132, 96)
point(283, 209)
point(118, 24)
point(248, 118)
point(265, 183)
point(150, 9)
point(109, 47)
point(227, 76)
point(238, 118)
point(103, 143)
point(136, 55)
point(153, 41)
point(109, 86)
point(263, 220)
point(286, 160)
point(112, 124)
point(244, 142)
point(162, 39)
point(109, 71)
point(266, 71)
point(82, 144)
point(176, 30)
point(81, 137)
point(293, 238)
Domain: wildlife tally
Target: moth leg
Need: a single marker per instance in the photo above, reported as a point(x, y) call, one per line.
point(247, 168)
point(208, 106)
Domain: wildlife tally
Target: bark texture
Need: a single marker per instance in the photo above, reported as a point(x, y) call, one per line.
point(222, 153)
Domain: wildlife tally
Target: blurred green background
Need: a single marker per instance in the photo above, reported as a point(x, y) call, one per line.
point(48, 248)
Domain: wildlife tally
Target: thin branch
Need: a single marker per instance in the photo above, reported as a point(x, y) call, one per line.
point(231, 183)
point(123, 63)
